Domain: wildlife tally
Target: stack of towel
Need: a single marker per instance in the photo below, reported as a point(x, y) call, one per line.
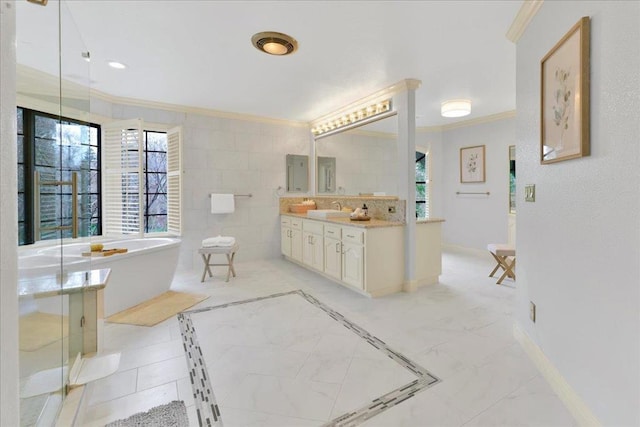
point(218, 241)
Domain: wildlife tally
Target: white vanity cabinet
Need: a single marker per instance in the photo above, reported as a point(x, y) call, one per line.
point(353, 256)
point(312, 244)
point(333, 251)
point(291, 237)
point(369, 260)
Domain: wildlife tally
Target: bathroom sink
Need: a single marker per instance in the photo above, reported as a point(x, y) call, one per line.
point(327, 213)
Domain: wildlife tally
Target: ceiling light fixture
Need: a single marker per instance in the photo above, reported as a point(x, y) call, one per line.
point(117, 65)
point(358, 115)
point(273, 43)
point(456, 108)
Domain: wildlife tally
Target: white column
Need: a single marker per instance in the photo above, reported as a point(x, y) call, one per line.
point(9, 402)
point(405, 105)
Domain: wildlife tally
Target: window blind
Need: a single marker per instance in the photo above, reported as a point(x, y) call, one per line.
point(122, 177)
point(174, 181)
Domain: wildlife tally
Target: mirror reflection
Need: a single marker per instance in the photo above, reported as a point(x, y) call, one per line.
point(326, 175)
point(366, 159)
point(297, 173)
point(512, 179)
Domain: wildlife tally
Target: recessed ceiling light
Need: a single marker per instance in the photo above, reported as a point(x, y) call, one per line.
point(117, 65)
point(455, 108)
point(274, 43)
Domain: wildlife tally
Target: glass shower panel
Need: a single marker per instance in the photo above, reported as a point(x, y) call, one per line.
point(52, 85)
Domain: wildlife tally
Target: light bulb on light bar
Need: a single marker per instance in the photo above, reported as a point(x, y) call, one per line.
point(456, 108)
point(352, 117)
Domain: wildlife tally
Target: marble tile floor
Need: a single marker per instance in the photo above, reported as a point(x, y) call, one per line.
point(460, 330)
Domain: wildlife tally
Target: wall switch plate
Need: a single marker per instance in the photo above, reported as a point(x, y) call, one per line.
point(530, 193)
point(392, 209)
point(532, 311)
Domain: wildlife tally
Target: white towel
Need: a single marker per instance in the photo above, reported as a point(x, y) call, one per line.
point(218, 241)
point(222, 203)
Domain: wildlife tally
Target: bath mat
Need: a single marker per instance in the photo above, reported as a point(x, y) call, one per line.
point(155, 310)
point(38, 330)
point(172, 414)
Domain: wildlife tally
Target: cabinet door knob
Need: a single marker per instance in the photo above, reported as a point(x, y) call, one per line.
point(338, 247)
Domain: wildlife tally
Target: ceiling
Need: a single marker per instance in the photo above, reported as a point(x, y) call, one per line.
point(199, 53)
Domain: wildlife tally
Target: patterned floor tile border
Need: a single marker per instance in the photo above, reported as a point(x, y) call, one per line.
point(207, 407)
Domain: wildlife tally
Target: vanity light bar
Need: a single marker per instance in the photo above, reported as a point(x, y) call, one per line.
point(355, 116)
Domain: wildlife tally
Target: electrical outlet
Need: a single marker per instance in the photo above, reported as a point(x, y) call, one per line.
point(392, 209)
point(530, 193)
point(532, 311)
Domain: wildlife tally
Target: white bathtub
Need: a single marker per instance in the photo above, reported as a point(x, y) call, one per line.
point(144, 272)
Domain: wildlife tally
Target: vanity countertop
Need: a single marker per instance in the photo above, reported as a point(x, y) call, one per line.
point(373, 223)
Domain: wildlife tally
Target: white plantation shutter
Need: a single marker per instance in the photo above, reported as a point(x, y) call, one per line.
point(123, 182)
point(174, 181)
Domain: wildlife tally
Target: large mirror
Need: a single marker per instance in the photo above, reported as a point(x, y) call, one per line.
point(297, 173)
point(364, 159)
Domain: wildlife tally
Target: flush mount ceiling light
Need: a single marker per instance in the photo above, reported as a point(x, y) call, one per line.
point(117, 65)
point(274, 43)
point(456, 108)
point(358, 115)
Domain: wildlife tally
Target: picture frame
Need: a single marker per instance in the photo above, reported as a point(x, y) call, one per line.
point(472, 164)
point(564, 97)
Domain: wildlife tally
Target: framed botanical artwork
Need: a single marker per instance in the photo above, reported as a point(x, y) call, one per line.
point(472, 164)
point(564, 97)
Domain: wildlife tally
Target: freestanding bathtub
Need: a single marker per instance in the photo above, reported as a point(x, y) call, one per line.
point(143, 272)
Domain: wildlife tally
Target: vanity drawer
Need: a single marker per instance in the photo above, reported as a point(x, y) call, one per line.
point(332, 231)
point(285, 221)
point(312, 227)
point(352, 235)
point(296, 223)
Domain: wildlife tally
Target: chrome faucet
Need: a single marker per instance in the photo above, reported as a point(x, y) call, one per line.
point(339, 205)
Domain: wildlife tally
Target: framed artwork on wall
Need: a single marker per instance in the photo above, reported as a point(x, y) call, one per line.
point(564, 97)
point(472, 164)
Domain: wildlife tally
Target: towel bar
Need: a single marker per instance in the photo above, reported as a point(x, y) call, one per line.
point(238, 195)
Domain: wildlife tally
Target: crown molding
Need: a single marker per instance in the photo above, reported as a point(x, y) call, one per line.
point(33, 82)
point(526, 13)
point(471, 122)
point(388, 92)
point(192, 110)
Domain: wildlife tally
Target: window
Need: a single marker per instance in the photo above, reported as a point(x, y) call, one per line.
point(422, 185)
point(55, 148)
point(155, 182)
point(142, 179)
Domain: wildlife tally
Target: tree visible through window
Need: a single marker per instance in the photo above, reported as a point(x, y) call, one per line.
point(55, 148)
point(155, 183)
point(422, 185)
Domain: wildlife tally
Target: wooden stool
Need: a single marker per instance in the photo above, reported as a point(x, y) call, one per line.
point(501, 253)
point(229, 251)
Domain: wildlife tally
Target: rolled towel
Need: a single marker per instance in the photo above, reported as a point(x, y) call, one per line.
point(218, 241)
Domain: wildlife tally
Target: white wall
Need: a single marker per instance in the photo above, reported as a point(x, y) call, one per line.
point(579, 243)
point(473, 221)
point(227, 155)
point(9, 403)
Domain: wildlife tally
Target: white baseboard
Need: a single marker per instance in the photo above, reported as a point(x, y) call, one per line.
point(560, 386)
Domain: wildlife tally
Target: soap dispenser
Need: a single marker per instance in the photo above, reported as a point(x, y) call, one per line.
point(365, 209)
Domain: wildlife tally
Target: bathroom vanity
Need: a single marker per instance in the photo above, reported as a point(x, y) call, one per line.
point(365, 256)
